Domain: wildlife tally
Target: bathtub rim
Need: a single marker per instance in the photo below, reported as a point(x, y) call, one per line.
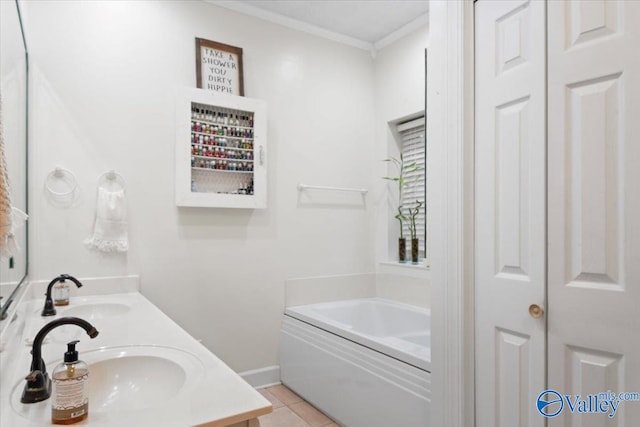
point(384, 345)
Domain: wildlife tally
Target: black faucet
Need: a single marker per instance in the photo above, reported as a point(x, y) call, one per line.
point(49, 309)
point(38, 387)
point(4, 309)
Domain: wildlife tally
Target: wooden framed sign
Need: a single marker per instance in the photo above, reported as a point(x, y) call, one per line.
point(219, 67)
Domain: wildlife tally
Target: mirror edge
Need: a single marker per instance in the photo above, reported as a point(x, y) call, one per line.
point(21, 286)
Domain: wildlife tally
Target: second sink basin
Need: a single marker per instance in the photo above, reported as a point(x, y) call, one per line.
point(95, 310)
point(91, 310)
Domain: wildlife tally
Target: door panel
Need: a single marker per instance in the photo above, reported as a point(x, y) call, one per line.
point(594, 204)
point(510, 211)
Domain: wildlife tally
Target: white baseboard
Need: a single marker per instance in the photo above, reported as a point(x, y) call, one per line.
point(263, 377)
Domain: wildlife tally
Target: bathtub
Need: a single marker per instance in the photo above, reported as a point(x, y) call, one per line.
point(364, 362)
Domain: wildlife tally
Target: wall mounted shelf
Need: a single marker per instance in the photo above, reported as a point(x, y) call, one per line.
point(220, 150)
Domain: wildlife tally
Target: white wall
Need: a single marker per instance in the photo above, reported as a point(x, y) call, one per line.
point(104, 78)
point(400, 94)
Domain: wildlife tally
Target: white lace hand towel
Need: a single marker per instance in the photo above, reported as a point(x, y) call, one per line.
point(9, 243)
point(110, 228)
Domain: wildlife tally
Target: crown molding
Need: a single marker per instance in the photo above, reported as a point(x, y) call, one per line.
point(420, 21)
point(285, 21)
point(294, 24)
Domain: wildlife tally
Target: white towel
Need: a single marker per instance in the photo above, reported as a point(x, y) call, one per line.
point(110, 228)
point(10, 246)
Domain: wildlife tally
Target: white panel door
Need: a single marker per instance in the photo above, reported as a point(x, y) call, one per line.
point(594, 204)
point(510, 211)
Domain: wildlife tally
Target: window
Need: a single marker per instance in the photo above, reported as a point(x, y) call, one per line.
point(412, 144)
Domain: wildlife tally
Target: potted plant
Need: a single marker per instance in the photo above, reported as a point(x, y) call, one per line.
point(402, 242)
point(402, 169)
point(413, 213)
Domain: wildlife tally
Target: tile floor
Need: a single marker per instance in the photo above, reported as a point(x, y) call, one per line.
point(290, 410)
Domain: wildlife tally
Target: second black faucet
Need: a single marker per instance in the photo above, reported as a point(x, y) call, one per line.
point(49, 309)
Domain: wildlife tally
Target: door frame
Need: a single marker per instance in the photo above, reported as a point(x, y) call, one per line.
point(450, 169)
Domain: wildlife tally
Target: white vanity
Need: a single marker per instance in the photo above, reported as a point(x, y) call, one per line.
point(144, 369)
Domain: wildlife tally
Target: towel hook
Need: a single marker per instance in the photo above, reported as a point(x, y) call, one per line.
point(112, 177)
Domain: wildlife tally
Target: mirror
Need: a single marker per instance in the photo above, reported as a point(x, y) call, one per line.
point(14, 91)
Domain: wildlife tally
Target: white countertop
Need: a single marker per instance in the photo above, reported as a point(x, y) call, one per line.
point(220, 397)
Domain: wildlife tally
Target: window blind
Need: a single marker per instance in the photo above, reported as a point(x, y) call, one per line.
point(412, 136)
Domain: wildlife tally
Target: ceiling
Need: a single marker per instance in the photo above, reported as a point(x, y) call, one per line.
point(364, 22)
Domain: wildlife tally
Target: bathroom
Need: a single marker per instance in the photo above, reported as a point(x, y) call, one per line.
point(104, 78)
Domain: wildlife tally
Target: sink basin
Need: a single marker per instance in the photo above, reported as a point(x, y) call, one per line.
point(139, 377)
point(126, 379)
point(95, 310)
point(90, 311)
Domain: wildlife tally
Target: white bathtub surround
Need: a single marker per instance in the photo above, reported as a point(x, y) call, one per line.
point(375, 351)
point(129, 325)
point(419, 271)
point(312, 290)
point(397, 287)
point(406, 289)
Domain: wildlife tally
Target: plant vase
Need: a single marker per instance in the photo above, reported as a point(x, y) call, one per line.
point(402, 249)
point(414, 250)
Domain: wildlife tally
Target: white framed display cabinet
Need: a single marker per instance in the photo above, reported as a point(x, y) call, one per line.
point(221, 150)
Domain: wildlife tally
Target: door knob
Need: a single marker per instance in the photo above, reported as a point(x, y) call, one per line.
point(536, 311)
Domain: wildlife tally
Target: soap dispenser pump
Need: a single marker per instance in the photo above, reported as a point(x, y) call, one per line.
point(70, 403)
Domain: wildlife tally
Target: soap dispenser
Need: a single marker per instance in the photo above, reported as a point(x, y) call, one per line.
point(70, 403)
point(61, 293)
